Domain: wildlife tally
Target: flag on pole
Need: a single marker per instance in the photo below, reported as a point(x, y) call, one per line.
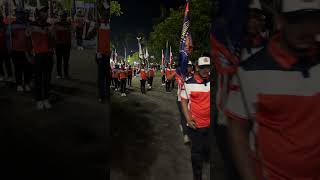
point(166, 55)
point(171, 59)
point(74, 8)
point(162, 55)
point(185, 44)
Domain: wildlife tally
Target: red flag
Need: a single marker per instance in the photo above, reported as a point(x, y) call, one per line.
point(170, 56)
point(162, 58)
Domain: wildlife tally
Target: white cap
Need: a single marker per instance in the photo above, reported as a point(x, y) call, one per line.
point(255, 4)
point(296, 5)
point(204, 61)
point(189, 63)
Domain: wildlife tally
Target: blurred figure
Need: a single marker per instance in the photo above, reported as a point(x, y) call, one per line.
point(168, 80)
point(123, 80)
point(79, 24)
point(62, 35)
point(129, 76)
point(42, 43)
point(151, 76)
point(23, 68)
point(273, 106)
point(143, 78)
point(5, 63)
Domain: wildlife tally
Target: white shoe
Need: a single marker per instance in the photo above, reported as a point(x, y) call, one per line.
point(20, 89)
point(47, 104)
point(1, 78)
point(40, 105)
point(27, 88)
point(186, 139)
point(124, 94)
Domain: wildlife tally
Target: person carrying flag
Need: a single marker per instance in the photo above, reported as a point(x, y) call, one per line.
point(163, 76)
point(273, 105)
point(42, 42)
point(62, 35)
point(18, 50)
point(195, 103)
point(168, 80)
point(130, 76)
point(173, 72)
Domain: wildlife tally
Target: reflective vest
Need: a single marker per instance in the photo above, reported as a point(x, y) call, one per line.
point(122, 74)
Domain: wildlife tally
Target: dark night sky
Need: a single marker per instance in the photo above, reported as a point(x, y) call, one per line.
point(139, 15)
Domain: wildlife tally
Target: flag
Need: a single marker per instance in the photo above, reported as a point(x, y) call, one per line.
point(166, 55)
point(185, 43)
point(171, 56)
point(162, 55)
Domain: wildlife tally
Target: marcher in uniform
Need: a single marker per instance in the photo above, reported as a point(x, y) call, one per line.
point(62, 34)
point(195, 102)
point(42, 42)
point(5, 63)
point(151, 76)
point(168, 81)
point(129, 76)
point(18, 51)
point(123, 80)
point(143, 78)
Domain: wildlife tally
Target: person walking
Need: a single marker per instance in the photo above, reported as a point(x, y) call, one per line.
point(129, 76)
point(5, 62)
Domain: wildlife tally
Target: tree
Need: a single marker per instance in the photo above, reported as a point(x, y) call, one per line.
point(170, 30)
point(116, 9)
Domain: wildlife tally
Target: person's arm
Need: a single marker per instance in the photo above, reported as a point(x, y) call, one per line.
point(187, 114)
point(238, 135)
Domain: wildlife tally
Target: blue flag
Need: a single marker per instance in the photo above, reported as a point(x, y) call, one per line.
point(185, 44)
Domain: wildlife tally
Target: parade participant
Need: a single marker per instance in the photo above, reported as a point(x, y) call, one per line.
point(257, 34)
point(111, 76)
point(143, 79)
point(62, 35)
point(168, 81)
point(123, 80)
point(40, 34)
point(115, 77)
point(273, 105)
point(173, 72)
point(130, 76)
point(163, 76)
point(195, 102)
point(18, 50)
point(102, 57)
point(4, 55)
point(151, 76)
point(79, 24)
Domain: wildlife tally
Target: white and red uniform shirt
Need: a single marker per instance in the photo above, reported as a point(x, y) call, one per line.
point(283, 98)
point(197, 92)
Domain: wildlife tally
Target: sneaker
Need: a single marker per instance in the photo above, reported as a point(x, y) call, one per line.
point(10, 79)
point(1, 78)
point(186, 139)
point(40, 105)
point(124, 94)
point(20, 89)
point(47, 104)
point(27, 88)
point(58, 77)
point(206, 171)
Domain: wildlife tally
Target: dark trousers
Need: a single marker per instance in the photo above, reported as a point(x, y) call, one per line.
point(116, 83)
point(5, 59)
point(79, 32)
point(168, 83)
point(183, 120)
point(112, 81)
point(231, 172)
point(200, 150)
point(23, 69)
point(102, 76)
point(143, 86)
point(150, 81)
point(63, 54)
point(123, 83)
point(173, 83)
point(43, 69)
point(130, 81)
point(163, 79)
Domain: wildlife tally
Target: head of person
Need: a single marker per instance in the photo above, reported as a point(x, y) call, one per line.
point(203, 66)
point(189, 67)
point(298, 23)
point(42, 14)
point(256, 19)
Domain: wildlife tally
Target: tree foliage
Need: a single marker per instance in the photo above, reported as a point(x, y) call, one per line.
point(170, 30)
point(116, 9)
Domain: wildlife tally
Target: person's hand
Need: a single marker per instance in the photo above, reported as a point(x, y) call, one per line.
point(191, 123)
point(99, 55)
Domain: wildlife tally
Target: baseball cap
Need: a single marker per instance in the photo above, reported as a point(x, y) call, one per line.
point(289, 6)
point(189, 63)
point(204, 61)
